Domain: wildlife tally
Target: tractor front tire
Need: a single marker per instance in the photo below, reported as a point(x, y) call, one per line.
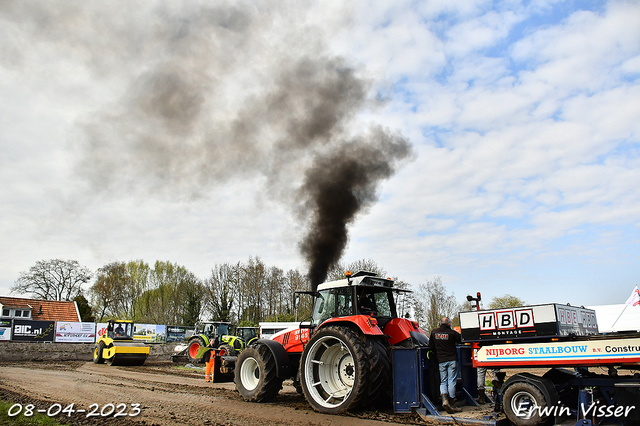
point(338, 369)
point(195, 343)
point(255, 374)
point(97, 353)
point(227, 350)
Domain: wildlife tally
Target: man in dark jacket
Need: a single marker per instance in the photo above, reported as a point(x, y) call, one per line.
point(444, 340)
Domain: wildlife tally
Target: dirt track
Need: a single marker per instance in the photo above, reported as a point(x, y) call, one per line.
point(167, 395)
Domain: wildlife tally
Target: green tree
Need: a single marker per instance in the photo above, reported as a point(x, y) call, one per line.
point(54, 279)
point(107, 292)
point(506, 301)
point(174, 295)
point(84, 308)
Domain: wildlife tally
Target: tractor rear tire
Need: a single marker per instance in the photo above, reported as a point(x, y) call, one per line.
point(97, 353)
point(380, 389)
point(522, 403)
point(255, 374)
point(227, 350)
point(195, 343)
point(340, 370)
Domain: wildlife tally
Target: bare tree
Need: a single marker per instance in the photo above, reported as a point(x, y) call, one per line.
point(431, 303)
point(54, 279)
point(221, 291)
point(338, 270)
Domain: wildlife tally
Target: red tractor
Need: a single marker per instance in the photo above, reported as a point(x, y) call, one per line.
point(340, 358)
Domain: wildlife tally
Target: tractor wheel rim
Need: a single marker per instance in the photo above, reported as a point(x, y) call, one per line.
point(193, 349)
point(524, 405)
point(330, 372)
point(250, 374)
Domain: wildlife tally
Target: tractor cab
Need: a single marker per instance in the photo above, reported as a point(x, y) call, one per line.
point(210, 334)
point(360, 294)
point(213, 330)
point(247, 334)
point(120, 330)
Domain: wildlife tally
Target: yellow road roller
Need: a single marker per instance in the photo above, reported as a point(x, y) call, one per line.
point(117, 346)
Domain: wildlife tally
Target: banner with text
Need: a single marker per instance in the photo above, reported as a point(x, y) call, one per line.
point(75, 332)
point(570, 353)
point(33, 331)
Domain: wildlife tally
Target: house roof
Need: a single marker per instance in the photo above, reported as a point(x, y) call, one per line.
point(44, 310)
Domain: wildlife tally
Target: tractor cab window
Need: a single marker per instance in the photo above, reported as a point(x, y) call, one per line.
point(247, 334)
point(223, 329)
point(366, 301)
point(383, 305)
point(344, 301)
point(324, 307)
point(375, 300)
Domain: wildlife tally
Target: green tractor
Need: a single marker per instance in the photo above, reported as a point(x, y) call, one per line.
point(247, 335)
point(217, 335)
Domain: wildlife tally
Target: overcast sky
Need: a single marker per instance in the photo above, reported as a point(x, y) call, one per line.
point(160, 131)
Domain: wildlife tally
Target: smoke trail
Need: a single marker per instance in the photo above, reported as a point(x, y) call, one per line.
point(338, 187)
point(208, 92)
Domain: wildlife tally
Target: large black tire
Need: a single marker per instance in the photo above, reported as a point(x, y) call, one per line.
point(194, 344)
point(380, 389)
point(227, 350)
point(341, 370)
point(522, 403)
point(97, 353)
point(255, 374)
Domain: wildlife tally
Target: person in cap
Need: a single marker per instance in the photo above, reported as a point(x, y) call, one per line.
point(443, 341)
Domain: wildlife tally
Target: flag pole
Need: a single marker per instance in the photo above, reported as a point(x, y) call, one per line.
point(625, 308)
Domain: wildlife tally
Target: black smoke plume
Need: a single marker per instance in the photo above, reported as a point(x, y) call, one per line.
point(204, 93)
point(337, 187)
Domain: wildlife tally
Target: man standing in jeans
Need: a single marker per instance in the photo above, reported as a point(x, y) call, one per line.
point(444, 340)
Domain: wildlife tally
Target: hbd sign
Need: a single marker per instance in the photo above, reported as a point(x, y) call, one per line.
point(509, 319)
point(529, 321)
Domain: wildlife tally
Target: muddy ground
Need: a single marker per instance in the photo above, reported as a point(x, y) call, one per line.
point(167, 394)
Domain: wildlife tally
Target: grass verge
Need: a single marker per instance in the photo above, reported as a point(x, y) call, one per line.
point(36, 419)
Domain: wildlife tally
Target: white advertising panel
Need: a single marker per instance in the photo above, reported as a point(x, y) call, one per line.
point(5, 330)
point(75, 332)
point(101, 329)
point(149, 333)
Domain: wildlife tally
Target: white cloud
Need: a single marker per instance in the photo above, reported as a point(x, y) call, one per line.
point(524, 123)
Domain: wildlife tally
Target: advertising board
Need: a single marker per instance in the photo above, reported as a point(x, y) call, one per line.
point(552, 320)
point(75, 332)
point(33, 331)
point(149, 333)
point(5, 330)
point(176, 333)
point(575, 352)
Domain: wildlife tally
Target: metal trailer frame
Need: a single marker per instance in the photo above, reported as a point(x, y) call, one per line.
point(416, 382)
point(568, 371)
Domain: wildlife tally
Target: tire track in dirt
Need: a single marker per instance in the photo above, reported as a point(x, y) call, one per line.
point(167, 396)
